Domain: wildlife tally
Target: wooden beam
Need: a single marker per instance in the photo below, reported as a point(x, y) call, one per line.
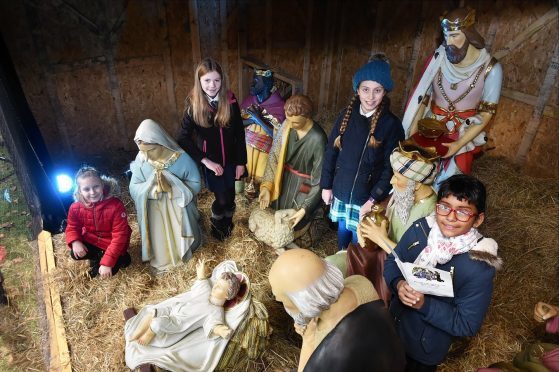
point(223, 34)
point(168, 62)
point(60, 354)
point(551, 111)
point(418, 38)
point(79, 16)
point(375, 43)
point(47, 75)
point(194, 32)
point(543, 97)
point(53, 344)
point(527, 33)
point(109, 46)
point(242, 47)
point(326, 71)
point(269, 22)
point(295, 83)
point(307, 54)
point(493, 26)
point(340, 55)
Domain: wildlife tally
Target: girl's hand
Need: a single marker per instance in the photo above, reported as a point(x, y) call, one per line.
point(214, 167)
point(327, 196)
point(365, 208)
point(239, 171)
point(79, 249)
point(105, 272)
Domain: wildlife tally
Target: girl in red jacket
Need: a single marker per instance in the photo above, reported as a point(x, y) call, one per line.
point(98, 227)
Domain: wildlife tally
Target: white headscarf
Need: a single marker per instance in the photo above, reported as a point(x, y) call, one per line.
point(151, 132)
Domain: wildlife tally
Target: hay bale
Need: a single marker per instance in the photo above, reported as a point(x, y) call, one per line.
point(522, 216)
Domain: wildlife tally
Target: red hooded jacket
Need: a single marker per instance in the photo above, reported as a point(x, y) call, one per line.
point(104, 224)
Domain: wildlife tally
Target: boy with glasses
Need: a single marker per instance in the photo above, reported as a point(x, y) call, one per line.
point(448, 240)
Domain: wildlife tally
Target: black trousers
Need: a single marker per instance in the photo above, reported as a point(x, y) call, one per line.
point(95, 254)
point(224, 203)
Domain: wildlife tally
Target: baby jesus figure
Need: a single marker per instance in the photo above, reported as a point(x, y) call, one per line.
point(165, 324)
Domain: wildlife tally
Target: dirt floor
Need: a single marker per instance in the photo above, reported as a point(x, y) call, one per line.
point(523, 216)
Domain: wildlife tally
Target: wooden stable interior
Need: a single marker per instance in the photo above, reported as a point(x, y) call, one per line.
point(91, 71)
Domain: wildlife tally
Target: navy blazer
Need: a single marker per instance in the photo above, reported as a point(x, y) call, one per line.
point(427, 333)
point(358, 172)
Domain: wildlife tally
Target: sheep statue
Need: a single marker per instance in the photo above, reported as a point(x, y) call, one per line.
point(272, 227)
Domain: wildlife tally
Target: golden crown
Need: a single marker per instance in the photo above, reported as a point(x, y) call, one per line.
point(265, 73)
point(458, 24)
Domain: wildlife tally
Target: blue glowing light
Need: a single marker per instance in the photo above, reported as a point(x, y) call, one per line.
point(64, 183)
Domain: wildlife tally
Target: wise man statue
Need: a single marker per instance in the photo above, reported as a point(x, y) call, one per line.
point(460, 90)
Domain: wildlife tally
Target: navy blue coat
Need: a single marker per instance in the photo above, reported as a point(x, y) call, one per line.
point(358, 172)
point(427, 333)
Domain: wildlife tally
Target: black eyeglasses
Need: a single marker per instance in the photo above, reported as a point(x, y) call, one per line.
point(462, 215)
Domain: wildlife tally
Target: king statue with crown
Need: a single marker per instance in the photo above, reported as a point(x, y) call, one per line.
point(456, 97)
point(262, 113)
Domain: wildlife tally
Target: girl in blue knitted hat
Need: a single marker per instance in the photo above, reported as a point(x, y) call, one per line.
point(356, 171)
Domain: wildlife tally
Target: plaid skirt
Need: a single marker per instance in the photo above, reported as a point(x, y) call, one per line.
point(346, 212)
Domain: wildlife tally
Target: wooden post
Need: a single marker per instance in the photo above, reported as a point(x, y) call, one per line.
point(242, 47)
point(414, 55)
point(223, 34)
point(47, 75)
point(269, 22)
point(109, 44)
point(325, 76)
point(194, 32)
point(59, 352)
point(493, 27)
point(340, 54)
point(375, 43)
point(543, 97)
point(53, 344)
point(307, 55)
point(169, 78)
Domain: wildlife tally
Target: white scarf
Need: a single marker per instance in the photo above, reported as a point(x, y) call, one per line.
point(440, 249)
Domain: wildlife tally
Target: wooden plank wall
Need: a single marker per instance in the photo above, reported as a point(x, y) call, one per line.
point(94, 70)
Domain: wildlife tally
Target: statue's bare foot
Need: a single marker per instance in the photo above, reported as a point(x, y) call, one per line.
point(143, 326)
point(147, 337)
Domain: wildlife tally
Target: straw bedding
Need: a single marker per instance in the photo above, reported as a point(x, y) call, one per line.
point(522, 216)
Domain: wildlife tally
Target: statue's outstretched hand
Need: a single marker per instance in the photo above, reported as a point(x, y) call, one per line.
point(376, 234)
point(223, 331)
point(297, 217)
point(543, 312)
point(201, 269)
point(264, 198)
point(453, 148)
